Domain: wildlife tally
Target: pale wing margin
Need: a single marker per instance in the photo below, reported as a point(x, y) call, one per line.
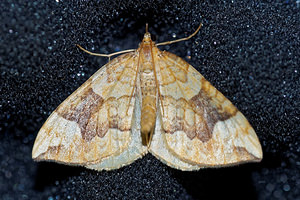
point(201, 126)
point(95, 121)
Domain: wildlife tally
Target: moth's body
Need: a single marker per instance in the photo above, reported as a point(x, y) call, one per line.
point(148, 86)
point(147, 101)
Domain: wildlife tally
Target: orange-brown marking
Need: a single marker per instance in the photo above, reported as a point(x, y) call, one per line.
point(209, 105)
point(210, 112)
point(85, 112)
point(81, 110)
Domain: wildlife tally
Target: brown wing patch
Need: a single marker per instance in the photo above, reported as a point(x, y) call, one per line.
point(81, 110)
point(211, 106)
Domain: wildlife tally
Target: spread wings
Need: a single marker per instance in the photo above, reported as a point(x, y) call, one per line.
point(97, 122)
point(98, 126)
point(199, 127)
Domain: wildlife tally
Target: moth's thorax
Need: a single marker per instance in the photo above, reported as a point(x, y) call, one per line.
point(146, 62)
point(148, 88)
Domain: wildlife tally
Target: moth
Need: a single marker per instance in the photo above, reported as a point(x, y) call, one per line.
point(147, 100)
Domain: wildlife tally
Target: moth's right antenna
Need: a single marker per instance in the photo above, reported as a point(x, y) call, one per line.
point(181, 39)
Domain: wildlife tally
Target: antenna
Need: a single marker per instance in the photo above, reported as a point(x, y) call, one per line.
point(146, 27)
point(181, 39)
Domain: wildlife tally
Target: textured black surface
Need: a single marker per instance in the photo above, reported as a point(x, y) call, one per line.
point(249, 51)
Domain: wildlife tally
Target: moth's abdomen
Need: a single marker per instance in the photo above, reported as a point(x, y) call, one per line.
point(148, 111)
point(148, 116)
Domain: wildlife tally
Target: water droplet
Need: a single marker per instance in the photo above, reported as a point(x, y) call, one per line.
point(283, 178)
point(278, 194)
point(286, 187)
point(270, 187)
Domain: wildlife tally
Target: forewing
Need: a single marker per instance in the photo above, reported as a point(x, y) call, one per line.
point(95, 121)
point(201, 126)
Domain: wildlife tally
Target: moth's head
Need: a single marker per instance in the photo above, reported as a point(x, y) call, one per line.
point(147, 37)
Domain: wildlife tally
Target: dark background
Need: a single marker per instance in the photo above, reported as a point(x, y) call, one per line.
point(247, 50)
